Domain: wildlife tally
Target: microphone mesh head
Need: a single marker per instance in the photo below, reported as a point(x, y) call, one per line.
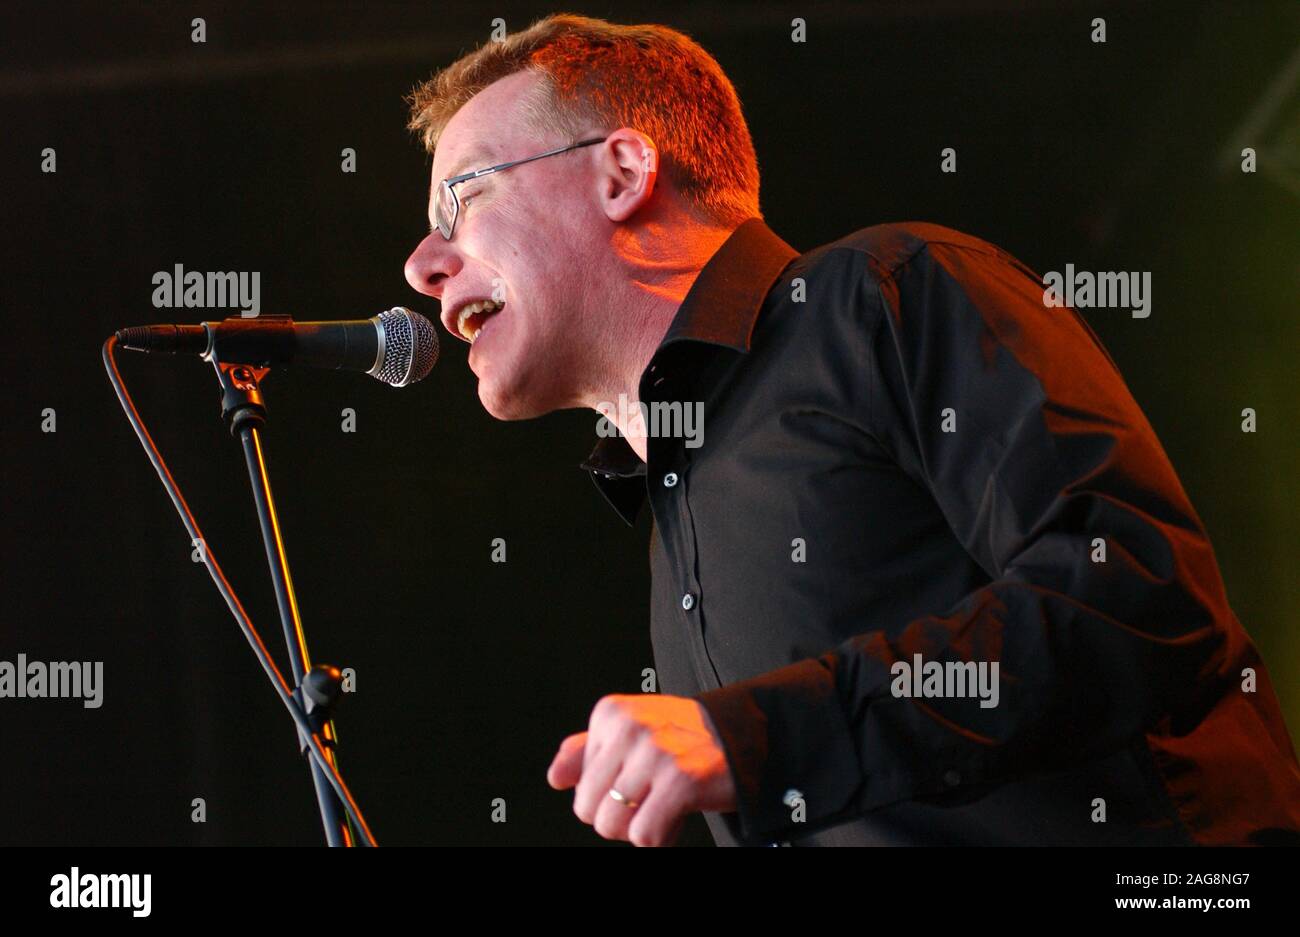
point(410, 347)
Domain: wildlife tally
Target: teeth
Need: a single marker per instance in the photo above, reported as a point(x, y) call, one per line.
point(479, 305)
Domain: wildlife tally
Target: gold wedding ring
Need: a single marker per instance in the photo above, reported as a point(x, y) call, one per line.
point(619, 796)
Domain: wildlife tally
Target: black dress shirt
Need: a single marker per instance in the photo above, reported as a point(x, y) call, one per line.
point(905, 452)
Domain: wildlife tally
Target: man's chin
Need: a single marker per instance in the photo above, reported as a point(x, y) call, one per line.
point(502, 405)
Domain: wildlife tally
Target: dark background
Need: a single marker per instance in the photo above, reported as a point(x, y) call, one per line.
point(226, 156)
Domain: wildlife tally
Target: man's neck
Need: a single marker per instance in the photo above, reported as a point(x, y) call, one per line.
point(651, 295)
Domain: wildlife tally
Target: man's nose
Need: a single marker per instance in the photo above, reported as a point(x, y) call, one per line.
point(431, 264)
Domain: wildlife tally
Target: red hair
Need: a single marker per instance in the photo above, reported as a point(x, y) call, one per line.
point(597, 77)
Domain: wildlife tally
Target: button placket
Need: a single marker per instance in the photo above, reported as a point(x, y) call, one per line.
point(693, 612)
point(670, 499)
point(691, 586)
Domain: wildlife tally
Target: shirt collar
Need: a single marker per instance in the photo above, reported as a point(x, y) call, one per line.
point(721, 308)
point(723, 303)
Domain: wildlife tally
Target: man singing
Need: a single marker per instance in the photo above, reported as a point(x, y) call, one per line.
point(925, 575)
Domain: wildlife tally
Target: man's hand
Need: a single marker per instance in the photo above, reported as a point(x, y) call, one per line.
point(659, 752)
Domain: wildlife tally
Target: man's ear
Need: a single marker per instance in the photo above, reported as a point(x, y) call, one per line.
point(626, 169)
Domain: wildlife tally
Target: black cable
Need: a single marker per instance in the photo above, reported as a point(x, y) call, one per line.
point(232, 601)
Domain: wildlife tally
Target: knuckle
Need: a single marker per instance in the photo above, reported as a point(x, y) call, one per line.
point(628, 731)
point(646, 835)
point(670, 778)
point(606, 827)
point(678, 789)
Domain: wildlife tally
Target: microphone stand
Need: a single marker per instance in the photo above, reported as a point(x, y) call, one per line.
point(316, 689)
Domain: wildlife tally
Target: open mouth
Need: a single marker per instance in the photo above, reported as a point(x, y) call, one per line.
point(472, 316)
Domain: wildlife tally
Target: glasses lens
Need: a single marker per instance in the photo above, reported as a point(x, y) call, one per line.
point(444, 210)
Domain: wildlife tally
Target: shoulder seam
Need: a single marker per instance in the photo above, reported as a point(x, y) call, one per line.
point(889, 271)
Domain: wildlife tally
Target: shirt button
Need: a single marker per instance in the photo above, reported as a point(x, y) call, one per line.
point(670, 479)
point(952, 777)
point(688, 601)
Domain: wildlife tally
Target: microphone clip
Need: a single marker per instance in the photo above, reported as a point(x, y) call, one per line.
point(241, 395)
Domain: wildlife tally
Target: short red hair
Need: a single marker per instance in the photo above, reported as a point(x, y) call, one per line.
point(598, 77)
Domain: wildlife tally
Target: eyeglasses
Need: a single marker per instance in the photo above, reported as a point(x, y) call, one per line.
point(446, 208)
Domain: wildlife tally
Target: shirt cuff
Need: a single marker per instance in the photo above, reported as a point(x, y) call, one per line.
point(790, 750)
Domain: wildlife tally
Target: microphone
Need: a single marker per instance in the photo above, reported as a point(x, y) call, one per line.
point(398, 347)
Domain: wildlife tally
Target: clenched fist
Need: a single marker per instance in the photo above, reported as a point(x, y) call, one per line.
point(659, 752)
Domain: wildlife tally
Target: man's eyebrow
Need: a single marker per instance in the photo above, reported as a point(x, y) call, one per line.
point(476, 158)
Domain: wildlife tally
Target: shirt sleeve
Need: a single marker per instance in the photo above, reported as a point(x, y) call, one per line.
point(1018, 423)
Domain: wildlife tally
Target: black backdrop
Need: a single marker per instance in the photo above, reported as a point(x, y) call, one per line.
point(226, 156)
